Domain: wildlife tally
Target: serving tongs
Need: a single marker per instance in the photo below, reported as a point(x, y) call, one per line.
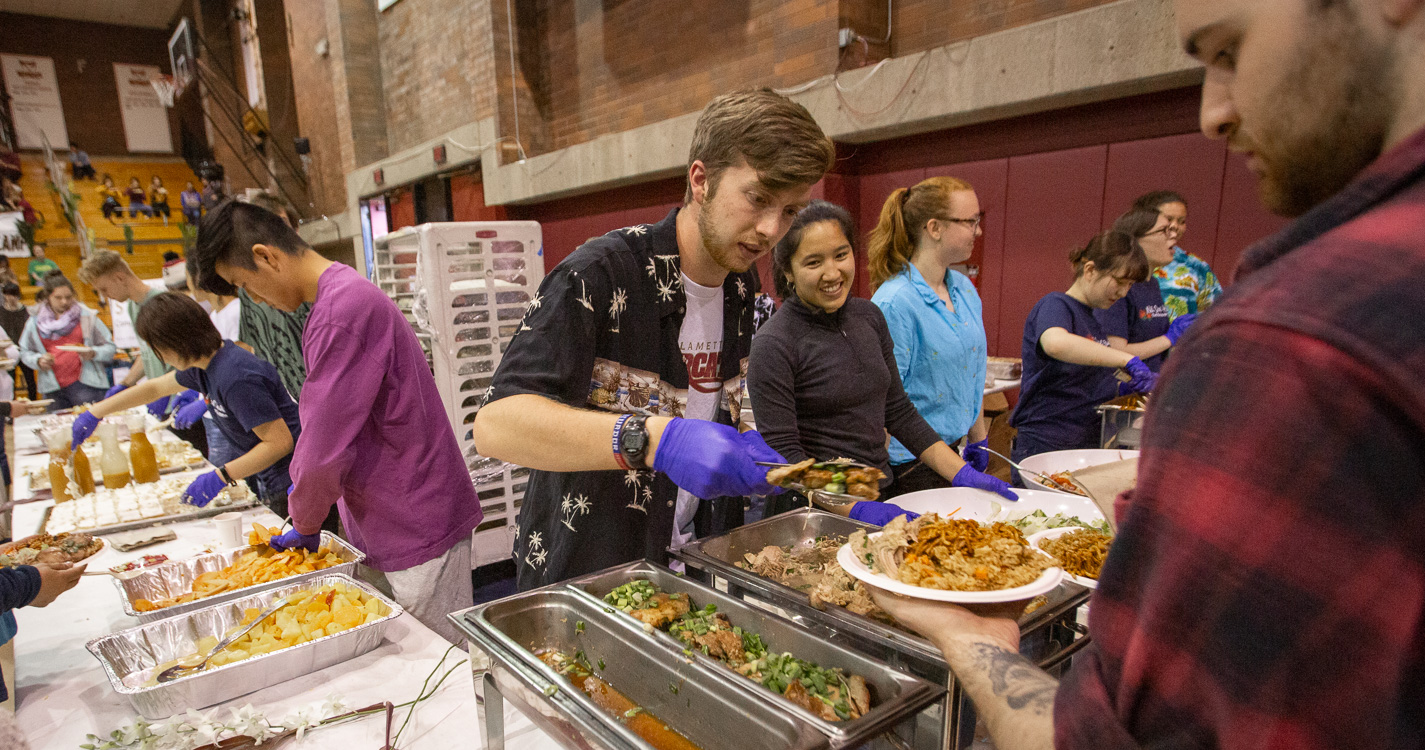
point(822, 498)
point(1041, 477)
point(182, 670)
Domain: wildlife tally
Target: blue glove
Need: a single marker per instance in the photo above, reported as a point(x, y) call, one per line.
point(204, 489)
point(293, 539)
point(971, 477)
point(84, 426)
point(159, 408)
point(878, 513)
point(117, 387)
point(976, 455)
point(1144, 380)
point(185, 398)
point(1178, 327)
point(714, 460)
point(188, 415)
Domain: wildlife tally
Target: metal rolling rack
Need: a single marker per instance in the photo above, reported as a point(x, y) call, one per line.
point(464, 287)
point(1049, 636)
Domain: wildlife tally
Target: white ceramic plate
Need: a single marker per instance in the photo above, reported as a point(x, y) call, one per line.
point(74, 348)
point(1035, 539)
point(857, 568)
point(1057, 461)
point(976, 504)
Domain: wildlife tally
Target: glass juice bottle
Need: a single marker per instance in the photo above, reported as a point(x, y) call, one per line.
point(112, 461)
point(83, 472)
point(58, 442)
point(141, 454)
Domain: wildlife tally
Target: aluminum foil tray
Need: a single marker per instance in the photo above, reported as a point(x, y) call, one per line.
point(176, 577)
point(685, 693)
point(130, 656)
point(895, 695)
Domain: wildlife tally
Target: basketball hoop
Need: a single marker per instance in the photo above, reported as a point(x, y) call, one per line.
point(165, 88)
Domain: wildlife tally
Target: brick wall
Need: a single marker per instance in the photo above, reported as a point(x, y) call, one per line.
point(437, 67)
point(597, 68)
point(311, 73)
point(90, 96)
point(919, 25)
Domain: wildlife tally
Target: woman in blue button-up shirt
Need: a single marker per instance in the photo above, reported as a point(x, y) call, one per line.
point(934, 316)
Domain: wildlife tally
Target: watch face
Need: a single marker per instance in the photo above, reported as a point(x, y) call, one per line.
point(634, 441)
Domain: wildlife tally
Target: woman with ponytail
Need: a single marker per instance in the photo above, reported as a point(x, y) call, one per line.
point(1068, 364)
point(934, 317)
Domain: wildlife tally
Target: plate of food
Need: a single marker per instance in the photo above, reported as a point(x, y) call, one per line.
point(1079, 551)
point(987, 507)
point(950, 560)
point(74, 348)
point(1058, 465)
point(72, 547)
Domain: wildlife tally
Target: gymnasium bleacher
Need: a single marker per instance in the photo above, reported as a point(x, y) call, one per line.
point(150, 236)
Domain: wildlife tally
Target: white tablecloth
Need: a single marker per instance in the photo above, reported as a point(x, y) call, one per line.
point(62, 693)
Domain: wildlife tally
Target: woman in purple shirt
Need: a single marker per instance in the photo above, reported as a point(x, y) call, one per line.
point(376, 440)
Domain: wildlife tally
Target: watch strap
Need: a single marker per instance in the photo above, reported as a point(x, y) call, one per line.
point(618, 442)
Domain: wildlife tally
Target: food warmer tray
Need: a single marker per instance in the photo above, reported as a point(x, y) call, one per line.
point(1049, 635)
point(1122, 422)
point(130, 656)
point(176, 577)
point(897, 695)
point(684, 693)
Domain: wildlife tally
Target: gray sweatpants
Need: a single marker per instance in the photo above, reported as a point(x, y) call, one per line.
point(435, 588)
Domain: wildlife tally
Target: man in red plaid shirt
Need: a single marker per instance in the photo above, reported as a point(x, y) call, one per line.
point(1267, 586)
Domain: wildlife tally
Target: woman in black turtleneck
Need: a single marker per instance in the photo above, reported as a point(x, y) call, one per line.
point(822, 373)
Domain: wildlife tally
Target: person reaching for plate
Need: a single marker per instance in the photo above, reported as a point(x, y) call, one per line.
point(246, 397)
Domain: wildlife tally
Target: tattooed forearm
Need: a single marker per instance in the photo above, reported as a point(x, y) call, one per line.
point(1014, 697)
point(1012, 677)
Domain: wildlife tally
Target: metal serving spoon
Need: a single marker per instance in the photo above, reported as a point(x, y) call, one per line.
point(180, 670)
point(1021, 469)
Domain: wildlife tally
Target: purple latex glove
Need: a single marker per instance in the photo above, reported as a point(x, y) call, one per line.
point(970, 477)
point(293, 539)
point(188, 415)
point(714, 460)
point(84, 426)
point(1178, 327)
point(879, 513)
point(1144, 380)
point(204, 489)
point(159, 408)
point(976, 455)
point(115, 389)
point(185, 398)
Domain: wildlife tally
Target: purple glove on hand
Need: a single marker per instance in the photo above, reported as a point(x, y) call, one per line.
point(970, 477)
point(189, 414)
point(117, 387)
point(204, 489)
point(976, 455)
point(1144, 380)
point(714, 460)
point(159, 408)
point(84, 426)
point(1178, 327)
point(879, 513)
point(293, 539)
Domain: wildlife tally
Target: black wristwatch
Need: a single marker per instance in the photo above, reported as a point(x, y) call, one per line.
point(632, 437)
point(226, 477)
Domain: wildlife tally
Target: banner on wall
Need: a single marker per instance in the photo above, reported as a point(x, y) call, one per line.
point(34, 101)
point(12, 244)
point(145, 117)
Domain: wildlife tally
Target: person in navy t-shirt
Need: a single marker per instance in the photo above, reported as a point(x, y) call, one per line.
point(1068, 364)
point(1140, 324)
point(244, 393)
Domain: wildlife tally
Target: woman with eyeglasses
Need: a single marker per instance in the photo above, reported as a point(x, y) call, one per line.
point(1187, 281)
point(1068, 364)
point(934, 317)
point(1139, 324)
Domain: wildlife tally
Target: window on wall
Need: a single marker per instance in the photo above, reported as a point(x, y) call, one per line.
point(374, 226)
